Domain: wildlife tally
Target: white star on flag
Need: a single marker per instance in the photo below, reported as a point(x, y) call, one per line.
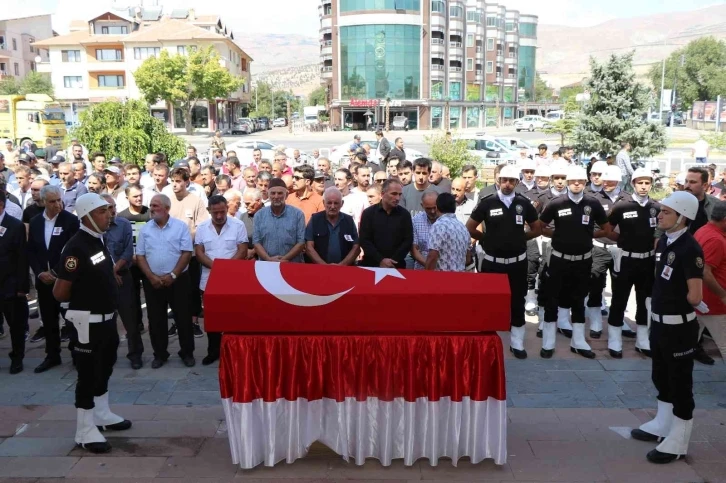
point(382, 273)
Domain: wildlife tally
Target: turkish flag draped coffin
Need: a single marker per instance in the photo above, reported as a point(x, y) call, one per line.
point(255, 296)
point(364, 396)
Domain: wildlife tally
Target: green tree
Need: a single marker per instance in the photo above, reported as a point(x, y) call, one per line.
point(317, 97)
point(127, 130)
point(702, 75)
point(184, 80)
point(451, 153)
point(33, 83)
point(616, 112)
point(565, 127)
point(542, 93)
point(570, 92)
point(9, 87)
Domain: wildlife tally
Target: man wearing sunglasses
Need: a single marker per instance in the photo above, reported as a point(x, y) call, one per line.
point(303, 196)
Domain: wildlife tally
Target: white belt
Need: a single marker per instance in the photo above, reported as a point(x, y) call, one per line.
point(674, 319)
point(639, 255)
point(96, 318)
point(572, 258)
point(546, 239)
point(602, 245)
point(505, 261)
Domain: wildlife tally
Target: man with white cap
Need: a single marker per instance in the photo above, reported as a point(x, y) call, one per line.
point(634, 219)
point(568, 272)
point(503, 216)
point(596, 172)
point(677, 292)
point(534, 253)
point(85, 280)
point(527, 167)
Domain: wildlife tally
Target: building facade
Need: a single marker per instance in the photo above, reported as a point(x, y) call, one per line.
point(439, 63)
point(96, 61)
point(18, 55)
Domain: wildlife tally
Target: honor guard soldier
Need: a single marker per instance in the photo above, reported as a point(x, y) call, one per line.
point(602, 259)
point(527, 167)
point(568, 271)
point(596, 172)
point(635, 217)
point(85, 280)
point(504, 216)
point(534, 246)
point(677, 290)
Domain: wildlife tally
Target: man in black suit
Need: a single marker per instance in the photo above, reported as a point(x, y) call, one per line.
point(47, 235)
point(13, 283)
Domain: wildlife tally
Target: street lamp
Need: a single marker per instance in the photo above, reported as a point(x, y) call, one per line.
point(388, 112)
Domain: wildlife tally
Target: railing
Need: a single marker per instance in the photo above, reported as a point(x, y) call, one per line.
point(327, 68)
point(511, 76)
point(512, 55)
point(326, 43)
point(455, 69)
point(455, 44)
point(479, 72)
point(435, 41)
point(437, 67)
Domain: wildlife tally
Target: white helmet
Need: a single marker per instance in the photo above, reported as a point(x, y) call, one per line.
point(89, 202)
point(681, 179)
point(559, 168)
point(612, 173)
point(527, 164)
point(542, 171)
point(509, 171)
point(599, 167)
point(576, 173)
point(642, 173)
point(683, 203)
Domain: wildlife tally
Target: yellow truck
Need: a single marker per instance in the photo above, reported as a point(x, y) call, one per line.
point(32, 117)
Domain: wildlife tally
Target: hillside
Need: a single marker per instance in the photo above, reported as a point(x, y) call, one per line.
point(302, 80)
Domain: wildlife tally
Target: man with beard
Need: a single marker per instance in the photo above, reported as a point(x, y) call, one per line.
point(96, 183)
point(208, 175)
point(71, 188)
point(133, 177)
point(279, 234)
point(437, 178)
point(405, 172)
point(252, 200)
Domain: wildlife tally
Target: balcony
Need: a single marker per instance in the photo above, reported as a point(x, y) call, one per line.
point(326, 43)
point(435, 41)
point(437, 67)
point(455, 45)
point(454, 69)
point(326, 48)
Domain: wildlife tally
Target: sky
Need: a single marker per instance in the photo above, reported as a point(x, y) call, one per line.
point(301, 16)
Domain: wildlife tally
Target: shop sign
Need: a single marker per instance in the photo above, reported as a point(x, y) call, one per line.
point(364, 103)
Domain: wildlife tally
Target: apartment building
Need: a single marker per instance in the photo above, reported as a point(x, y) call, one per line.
point(440, 63)
point(96, 61)
point(18, 55)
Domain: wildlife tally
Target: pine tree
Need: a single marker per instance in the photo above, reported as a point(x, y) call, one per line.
point(617, 112)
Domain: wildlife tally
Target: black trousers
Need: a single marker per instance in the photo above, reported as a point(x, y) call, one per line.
point(94, 361)
point(137, 276)
point(672, 348)
point(195, 298)
point(534, 261)
point(214, 341)
point(128, 312)
point(638, 272)
point(567, 281)
point(517, 274)
point(157, 301)
point(50, 313)
point(601, 262)
point(15, 311)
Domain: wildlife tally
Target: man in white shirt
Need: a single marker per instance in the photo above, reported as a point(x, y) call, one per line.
point(221, 236)
point(192, 188)
point(353, 202)
point(700, 151)
point(22, 179)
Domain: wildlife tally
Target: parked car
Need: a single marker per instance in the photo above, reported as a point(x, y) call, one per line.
point(517, 144)
point(400, 123)
point(279, 122)
point(340, 151)
point(240, 127)
point(244, 150)
point(488, 149)
point(250, 123)
point(265, 124)
point(529, 123)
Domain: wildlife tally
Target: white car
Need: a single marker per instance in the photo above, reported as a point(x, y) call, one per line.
point(517, 144)
point(529, 123)
point(244, 150)
point(488, 149)
point(279, 122)
point(340, 151)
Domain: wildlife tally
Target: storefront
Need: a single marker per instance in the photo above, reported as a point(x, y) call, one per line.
point(365, 114)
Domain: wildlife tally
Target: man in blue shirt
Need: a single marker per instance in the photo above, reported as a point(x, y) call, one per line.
point(70, 187)
point(279, 234)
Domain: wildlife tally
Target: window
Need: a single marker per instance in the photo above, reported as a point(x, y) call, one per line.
point(16, 68)
point(2, 42)
point(456, 12)
point(3, 68)
point(110, 81)
point(72, 82)
point(490, 44)
point(490, 67)
point(469, 64)
point(71, 55)
point(491, 21)
point(357, 5)
point(115, 30)
point(455, 91)
point(510, 27)
point(438, 6)
point(141, 53)
point(528, 29)
point(15, 44)
point(181, 50)
point(473, 16)
point(108, 55)
point(469, 40)
point(327, 9)
point(32, 49)
point(244, 65)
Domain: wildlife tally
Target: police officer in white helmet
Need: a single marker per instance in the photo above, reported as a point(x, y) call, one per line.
point(534, 246)
point(85, 279)
point(596, 172)
point(677, 292)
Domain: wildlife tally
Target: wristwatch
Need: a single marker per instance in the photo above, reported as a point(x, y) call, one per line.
point(172, 275)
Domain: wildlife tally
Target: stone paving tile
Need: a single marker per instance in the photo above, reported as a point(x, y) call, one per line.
point(372, 470)
point(194, 398)
point(22, 413)
point(630, 376)
point(153, 398)
point(465, 470)
point(37, 466)
point(711, 472)
point(569, 469)
point(555, 400)
point(533, 415)
point(52, 397)
point(560, 431)
point(100, 467)
point(213, 460)
point(37, 446)
point(599, 417)
point(637, 469)
point(136, 447)
point(183, 413)
point(169, 429)
point(129, 411)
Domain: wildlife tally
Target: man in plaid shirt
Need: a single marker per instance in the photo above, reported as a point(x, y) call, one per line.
point(449, 239)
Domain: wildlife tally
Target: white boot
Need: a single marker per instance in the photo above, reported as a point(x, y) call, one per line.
point(595, 317)
point(104, 418)
point(642, 341)
point(676, 443)
point(615, 341)
point(87, 434)
point(549, 331)
point(659, 426)
point(540, 316)
point(578, 344)
point(563, 320)
point(516, 342)
point(530, 303)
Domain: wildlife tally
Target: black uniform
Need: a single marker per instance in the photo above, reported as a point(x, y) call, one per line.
point(504, 239)
point(574, 227)
point(637, 265)
point(14, 280)
point(542, 201)
point(674, 330)
point(534, 257)
point(86, 263)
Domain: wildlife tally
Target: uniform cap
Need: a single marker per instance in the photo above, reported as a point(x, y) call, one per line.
point(542, 172)
point(57, 159)
point(683, 203)
point(527, 164)
point(509, 171)
point(40, 153)
point(24, 158)
point(559, 168)
point(613, 173)
point(642, 173)
point(599, 167)
point(576, 173)
point(88, 202)
point(318, 174)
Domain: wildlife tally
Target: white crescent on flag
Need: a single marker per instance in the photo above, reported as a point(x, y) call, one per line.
point(271, 279)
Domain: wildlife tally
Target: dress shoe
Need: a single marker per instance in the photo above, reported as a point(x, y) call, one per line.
point(209, 359)
point(566, 332)
point(157, 363)
point(531, 312)
point(546, 353)
point(629, 333)
point(34, 314)
point(645, 352)
point(122, 426)
point(96, 448)
point(659, 458)
point(65, 334)
point(595, 334)
point(519, 354)
point(136, 364)
point(616, 354)
point(16, 367)
point(47, 364)
point(586, 353)
point(641, 435)
point(701, 356)
point(39, 335)
point(189, 361)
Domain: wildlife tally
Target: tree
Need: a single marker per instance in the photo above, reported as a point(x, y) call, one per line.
point(318, 97)
point(127, 130)
point(565, 127)
point(9, 87)
point(702, 75)
point(616, 112)
point(183, 80)
point(570, 92)
point(451, 153)
point(542, 92)
point(33, 83)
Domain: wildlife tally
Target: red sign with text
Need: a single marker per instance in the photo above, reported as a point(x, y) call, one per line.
point(364, 103)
